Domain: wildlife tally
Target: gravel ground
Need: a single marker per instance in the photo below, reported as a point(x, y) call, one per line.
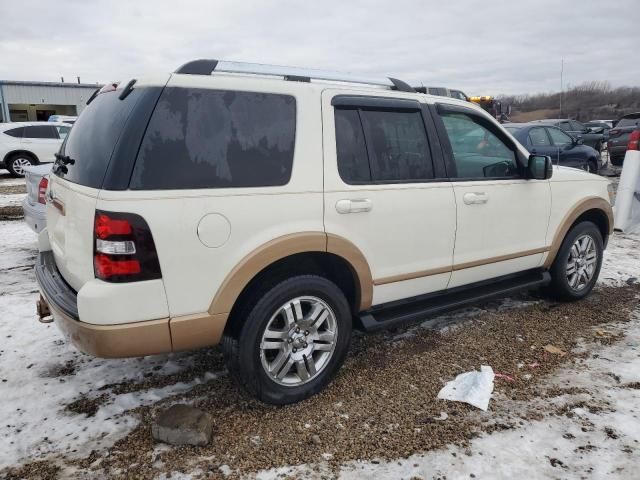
point(11, 192)
point(382, 405)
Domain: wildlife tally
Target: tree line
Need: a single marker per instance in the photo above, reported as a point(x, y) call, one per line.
point(591, 100)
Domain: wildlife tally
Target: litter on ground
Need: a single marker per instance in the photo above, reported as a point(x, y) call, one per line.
point(474, 388)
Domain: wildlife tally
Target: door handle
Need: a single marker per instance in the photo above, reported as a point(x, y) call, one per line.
point(354, 206)
point(475, 198)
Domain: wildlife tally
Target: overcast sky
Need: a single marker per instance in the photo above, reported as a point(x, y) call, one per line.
point(482, 47)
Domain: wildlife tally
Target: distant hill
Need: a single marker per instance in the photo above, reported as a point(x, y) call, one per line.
point(592, 100)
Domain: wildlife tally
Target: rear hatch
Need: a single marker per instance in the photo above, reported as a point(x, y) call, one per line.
point(98, 153)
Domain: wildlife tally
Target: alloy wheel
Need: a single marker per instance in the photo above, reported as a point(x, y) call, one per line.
point(19, 164)
point(298, 341)
point(582, 262)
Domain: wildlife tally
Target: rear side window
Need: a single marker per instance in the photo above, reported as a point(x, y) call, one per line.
point(382, 146)
point(40, 131)
point(538, 137)
point(15, 132)
point(201, 138)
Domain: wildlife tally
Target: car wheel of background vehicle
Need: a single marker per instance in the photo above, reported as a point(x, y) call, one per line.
point(592, 166)
point(17, 162)
point(294, 339)
point(617, 161)
point(577, 265)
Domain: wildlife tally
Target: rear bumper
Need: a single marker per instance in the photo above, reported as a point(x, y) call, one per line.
point(35, 216)
point(107, 341)
point(132, 339)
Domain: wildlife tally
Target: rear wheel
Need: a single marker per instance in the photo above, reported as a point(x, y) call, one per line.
point(576, 268)
point(592, 166)
point(18, 162)
point(293, 340)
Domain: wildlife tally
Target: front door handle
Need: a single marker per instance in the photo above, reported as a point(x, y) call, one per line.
point(354, 206)
point(475, 198)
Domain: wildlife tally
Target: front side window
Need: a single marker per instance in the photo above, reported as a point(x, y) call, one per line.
point(477, 151)
point(40, 131)
point(566, 126)
point(559, 138)
point(538, 137)
point(577, 126)
point(201, 138)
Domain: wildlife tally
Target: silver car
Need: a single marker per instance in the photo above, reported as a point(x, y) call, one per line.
point(34, 204)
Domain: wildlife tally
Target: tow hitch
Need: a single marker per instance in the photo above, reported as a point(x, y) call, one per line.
point(44, 314)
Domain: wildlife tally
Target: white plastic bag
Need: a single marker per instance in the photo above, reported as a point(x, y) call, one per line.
point(474, 388)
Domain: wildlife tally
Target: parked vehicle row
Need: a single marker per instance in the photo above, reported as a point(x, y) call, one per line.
point(295, 209)
point(540, 138)
point(624, 136)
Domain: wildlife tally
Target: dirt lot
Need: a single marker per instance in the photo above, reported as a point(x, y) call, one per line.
point(72, 416)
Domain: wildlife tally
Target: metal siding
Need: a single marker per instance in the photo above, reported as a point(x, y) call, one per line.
point(31, 94)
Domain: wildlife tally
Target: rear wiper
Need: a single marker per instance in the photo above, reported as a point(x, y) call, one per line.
point(64, 159)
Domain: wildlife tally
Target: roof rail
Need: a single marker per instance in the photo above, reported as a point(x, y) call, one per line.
point(207, 67)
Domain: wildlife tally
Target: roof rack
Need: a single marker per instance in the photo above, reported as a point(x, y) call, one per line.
point(208, 67)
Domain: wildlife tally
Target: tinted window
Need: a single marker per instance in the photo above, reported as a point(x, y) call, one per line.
point(478, 152)
point(538, 137)
point(559, 138)
point(577, 126)
point(94, 136)
point(353, 164)
point(200, 138)
point(564, 126)
point(15, 132)
point(628, 122)
point(397, 145)
point(40, 131)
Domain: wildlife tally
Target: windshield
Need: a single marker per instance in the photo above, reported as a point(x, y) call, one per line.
point(87, 150)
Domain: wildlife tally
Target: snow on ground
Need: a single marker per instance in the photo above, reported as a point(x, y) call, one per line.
point(6, 179)
point(12, 200)
point(40, 372)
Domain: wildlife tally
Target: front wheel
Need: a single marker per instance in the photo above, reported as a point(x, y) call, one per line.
point(293, 340)
point(576, 268)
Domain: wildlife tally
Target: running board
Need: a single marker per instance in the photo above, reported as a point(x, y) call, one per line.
point(404, 312)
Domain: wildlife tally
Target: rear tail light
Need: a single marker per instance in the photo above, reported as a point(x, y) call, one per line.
point(42, 190)
point(634, 139)
point(124, 250)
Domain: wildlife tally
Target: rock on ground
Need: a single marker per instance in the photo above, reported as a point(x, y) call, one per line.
point(183, 425)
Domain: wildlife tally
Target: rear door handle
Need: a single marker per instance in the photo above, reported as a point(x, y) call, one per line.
point(354, 206)
point(475, 198)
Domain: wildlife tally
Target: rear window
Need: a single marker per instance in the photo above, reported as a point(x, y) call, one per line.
point(202, 138)
point(15, 132)
point(628, 122)
point(93, 138)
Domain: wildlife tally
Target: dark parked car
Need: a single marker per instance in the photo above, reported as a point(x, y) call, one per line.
point(543, 139)
point(599, 127)
point(578, 131)
point(619, 137)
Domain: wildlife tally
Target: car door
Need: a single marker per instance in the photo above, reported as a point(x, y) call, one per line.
point(569, 152)
point(385, 191)
point(502, 217)
point(42, 140)
point(539, 143)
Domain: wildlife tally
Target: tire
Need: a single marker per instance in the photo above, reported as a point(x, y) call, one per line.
point(258, 359)
point(17, 162)
point(592, 166)
point(617, 161)
point(571, 287)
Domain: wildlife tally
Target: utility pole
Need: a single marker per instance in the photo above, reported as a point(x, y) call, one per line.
point(561, 84)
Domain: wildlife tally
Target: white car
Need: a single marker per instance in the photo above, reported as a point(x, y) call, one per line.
point(273, 208)
point(29, 143)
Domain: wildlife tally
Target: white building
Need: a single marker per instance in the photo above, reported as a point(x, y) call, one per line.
point(37, 101)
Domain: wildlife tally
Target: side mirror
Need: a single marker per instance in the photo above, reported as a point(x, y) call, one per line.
point(578, 140)
point(539, 167)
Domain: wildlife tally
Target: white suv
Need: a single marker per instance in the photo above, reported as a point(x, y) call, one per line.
point(274, 208)
point(29, 143)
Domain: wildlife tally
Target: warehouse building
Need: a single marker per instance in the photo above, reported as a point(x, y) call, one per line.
point(37, 101)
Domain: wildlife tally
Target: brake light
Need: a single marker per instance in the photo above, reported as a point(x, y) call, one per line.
point(634, 139)
point(124, 250)
point(42, 190)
